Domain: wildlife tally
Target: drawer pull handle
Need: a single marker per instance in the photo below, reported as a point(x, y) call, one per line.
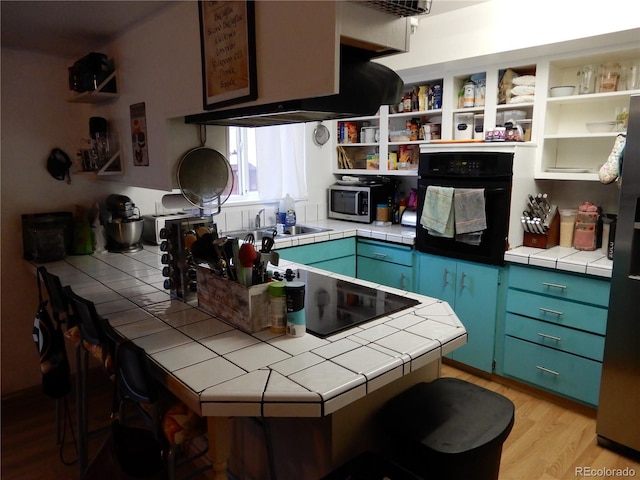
point(378, 254)
point(546, 370)
point(550, 337)
point(554, 285)
point(548, 310)
point(446, 272)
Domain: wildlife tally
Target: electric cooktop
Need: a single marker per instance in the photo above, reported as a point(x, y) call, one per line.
point(332, 305)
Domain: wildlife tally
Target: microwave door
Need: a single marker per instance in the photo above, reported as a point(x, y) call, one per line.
point(344, 202)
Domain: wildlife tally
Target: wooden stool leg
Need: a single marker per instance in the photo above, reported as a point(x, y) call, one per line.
point(219, 432)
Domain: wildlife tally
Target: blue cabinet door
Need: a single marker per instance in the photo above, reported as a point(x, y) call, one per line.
point(385, 273)
point(472, 291)
point(476, 306)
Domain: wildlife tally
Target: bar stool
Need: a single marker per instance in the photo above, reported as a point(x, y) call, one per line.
point(171, 422)
point(61, 315)
point(448, 429)
point(91, 338)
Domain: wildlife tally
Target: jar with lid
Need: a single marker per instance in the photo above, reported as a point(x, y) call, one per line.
point(469, 95)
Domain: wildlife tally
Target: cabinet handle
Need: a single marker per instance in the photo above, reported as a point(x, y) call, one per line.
point(446, 272)
point(462, 277)
point(550, 337)
point(546, 370)
point(548, 310)
point(402, 277)
point(378, 254)
point(554, 285)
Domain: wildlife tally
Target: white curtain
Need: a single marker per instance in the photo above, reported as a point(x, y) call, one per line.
point(280, 161)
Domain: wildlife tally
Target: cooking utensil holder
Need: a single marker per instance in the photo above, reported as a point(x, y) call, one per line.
point(549, 239)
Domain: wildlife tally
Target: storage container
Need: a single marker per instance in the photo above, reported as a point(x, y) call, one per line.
point(463, 126)
point(514, 115)
point(244, 307)
point(478, 126)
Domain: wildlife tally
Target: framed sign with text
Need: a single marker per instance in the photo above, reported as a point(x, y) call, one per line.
point(228, 46)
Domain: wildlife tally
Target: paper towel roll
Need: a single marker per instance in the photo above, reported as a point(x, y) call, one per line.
point(175, 201)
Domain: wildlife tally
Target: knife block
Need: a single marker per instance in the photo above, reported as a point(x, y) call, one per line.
point(549, 239)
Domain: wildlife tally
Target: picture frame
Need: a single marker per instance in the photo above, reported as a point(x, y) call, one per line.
point(228, 49)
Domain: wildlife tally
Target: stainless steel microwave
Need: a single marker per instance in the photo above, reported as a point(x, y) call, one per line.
point(356, 203)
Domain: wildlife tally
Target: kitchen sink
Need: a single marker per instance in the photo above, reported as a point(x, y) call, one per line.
point(259, 234)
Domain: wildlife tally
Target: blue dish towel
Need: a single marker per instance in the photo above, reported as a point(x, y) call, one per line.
point(437, 213)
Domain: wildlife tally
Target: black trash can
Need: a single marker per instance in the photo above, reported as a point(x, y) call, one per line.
point(448, 429)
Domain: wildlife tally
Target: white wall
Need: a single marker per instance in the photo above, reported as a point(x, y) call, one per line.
point(499, 30)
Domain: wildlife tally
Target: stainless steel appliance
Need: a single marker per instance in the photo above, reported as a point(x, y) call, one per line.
point(618, 422)
point(153, 224)
point(491, 171)
point(125, 227)
point(357, 203)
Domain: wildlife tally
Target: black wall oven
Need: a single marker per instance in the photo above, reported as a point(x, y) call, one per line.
point(491, 171)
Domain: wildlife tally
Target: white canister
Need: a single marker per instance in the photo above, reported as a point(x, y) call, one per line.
point(463, 126)
point(368, 134)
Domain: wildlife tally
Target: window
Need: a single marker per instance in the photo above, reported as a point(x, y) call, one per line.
point(268, 162)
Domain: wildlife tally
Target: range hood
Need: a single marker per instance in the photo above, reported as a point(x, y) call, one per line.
point(364, 86)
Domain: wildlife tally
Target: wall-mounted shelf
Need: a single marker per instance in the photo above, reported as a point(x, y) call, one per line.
point(105, 92)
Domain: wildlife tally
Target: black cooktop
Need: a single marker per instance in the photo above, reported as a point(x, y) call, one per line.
point(332, 304)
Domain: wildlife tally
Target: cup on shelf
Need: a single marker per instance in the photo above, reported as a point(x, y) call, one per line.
point(586, 79)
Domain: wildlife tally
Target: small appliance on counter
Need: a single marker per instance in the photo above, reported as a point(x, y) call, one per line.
point(356, 201)
point(125, 225)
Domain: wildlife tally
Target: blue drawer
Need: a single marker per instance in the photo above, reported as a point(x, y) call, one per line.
point(553, 370)
point(555, 310)
point(562, 285)
point(319, 252)
point(386, 252)
point(554, 336)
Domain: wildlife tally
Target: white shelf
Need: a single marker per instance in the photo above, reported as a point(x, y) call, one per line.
point(98, 95)
point(583, 135)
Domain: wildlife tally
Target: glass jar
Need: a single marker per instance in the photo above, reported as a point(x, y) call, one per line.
point(609, 75)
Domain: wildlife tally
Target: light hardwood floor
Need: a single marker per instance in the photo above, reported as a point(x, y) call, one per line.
point(549, 441)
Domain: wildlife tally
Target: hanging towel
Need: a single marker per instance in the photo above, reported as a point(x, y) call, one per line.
point(469, 210)
point(437, 213)
point(470, 215)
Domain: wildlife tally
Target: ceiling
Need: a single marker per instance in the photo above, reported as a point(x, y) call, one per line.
point(74, 28)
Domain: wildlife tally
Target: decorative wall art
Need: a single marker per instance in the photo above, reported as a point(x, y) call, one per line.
point(228, 47)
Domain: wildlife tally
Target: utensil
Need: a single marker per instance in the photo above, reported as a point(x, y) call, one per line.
point(267, 244)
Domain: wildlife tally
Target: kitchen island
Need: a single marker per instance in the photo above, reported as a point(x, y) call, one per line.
point(318, 396)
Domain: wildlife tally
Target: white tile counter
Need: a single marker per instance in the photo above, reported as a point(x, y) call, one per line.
point(563, 258)
point(222, 371)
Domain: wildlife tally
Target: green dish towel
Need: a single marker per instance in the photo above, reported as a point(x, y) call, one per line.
point(437, 214)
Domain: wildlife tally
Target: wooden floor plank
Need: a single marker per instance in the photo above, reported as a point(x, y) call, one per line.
point(549, 440)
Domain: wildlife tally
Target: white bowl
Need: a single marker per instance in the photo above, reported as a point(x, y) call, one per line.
point(600, 127)
point(562, 91)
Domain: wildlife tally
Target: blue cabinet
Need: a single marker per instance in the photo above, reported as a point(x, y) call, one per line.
point(338, 256)
point(474, 292)
point(554, 331)
point(385, 263)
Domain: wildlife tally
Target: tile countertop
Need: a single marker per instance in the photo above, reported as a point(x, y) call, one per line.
point(231, 373)
point(563, 258)
point(557, 258)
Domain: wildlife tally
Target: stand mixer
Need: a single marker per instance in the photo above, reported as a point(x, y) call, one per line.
point(125, 227)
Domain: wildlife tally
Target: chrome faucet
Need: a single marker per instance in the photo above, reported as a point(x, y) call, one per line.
point(258, 218)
